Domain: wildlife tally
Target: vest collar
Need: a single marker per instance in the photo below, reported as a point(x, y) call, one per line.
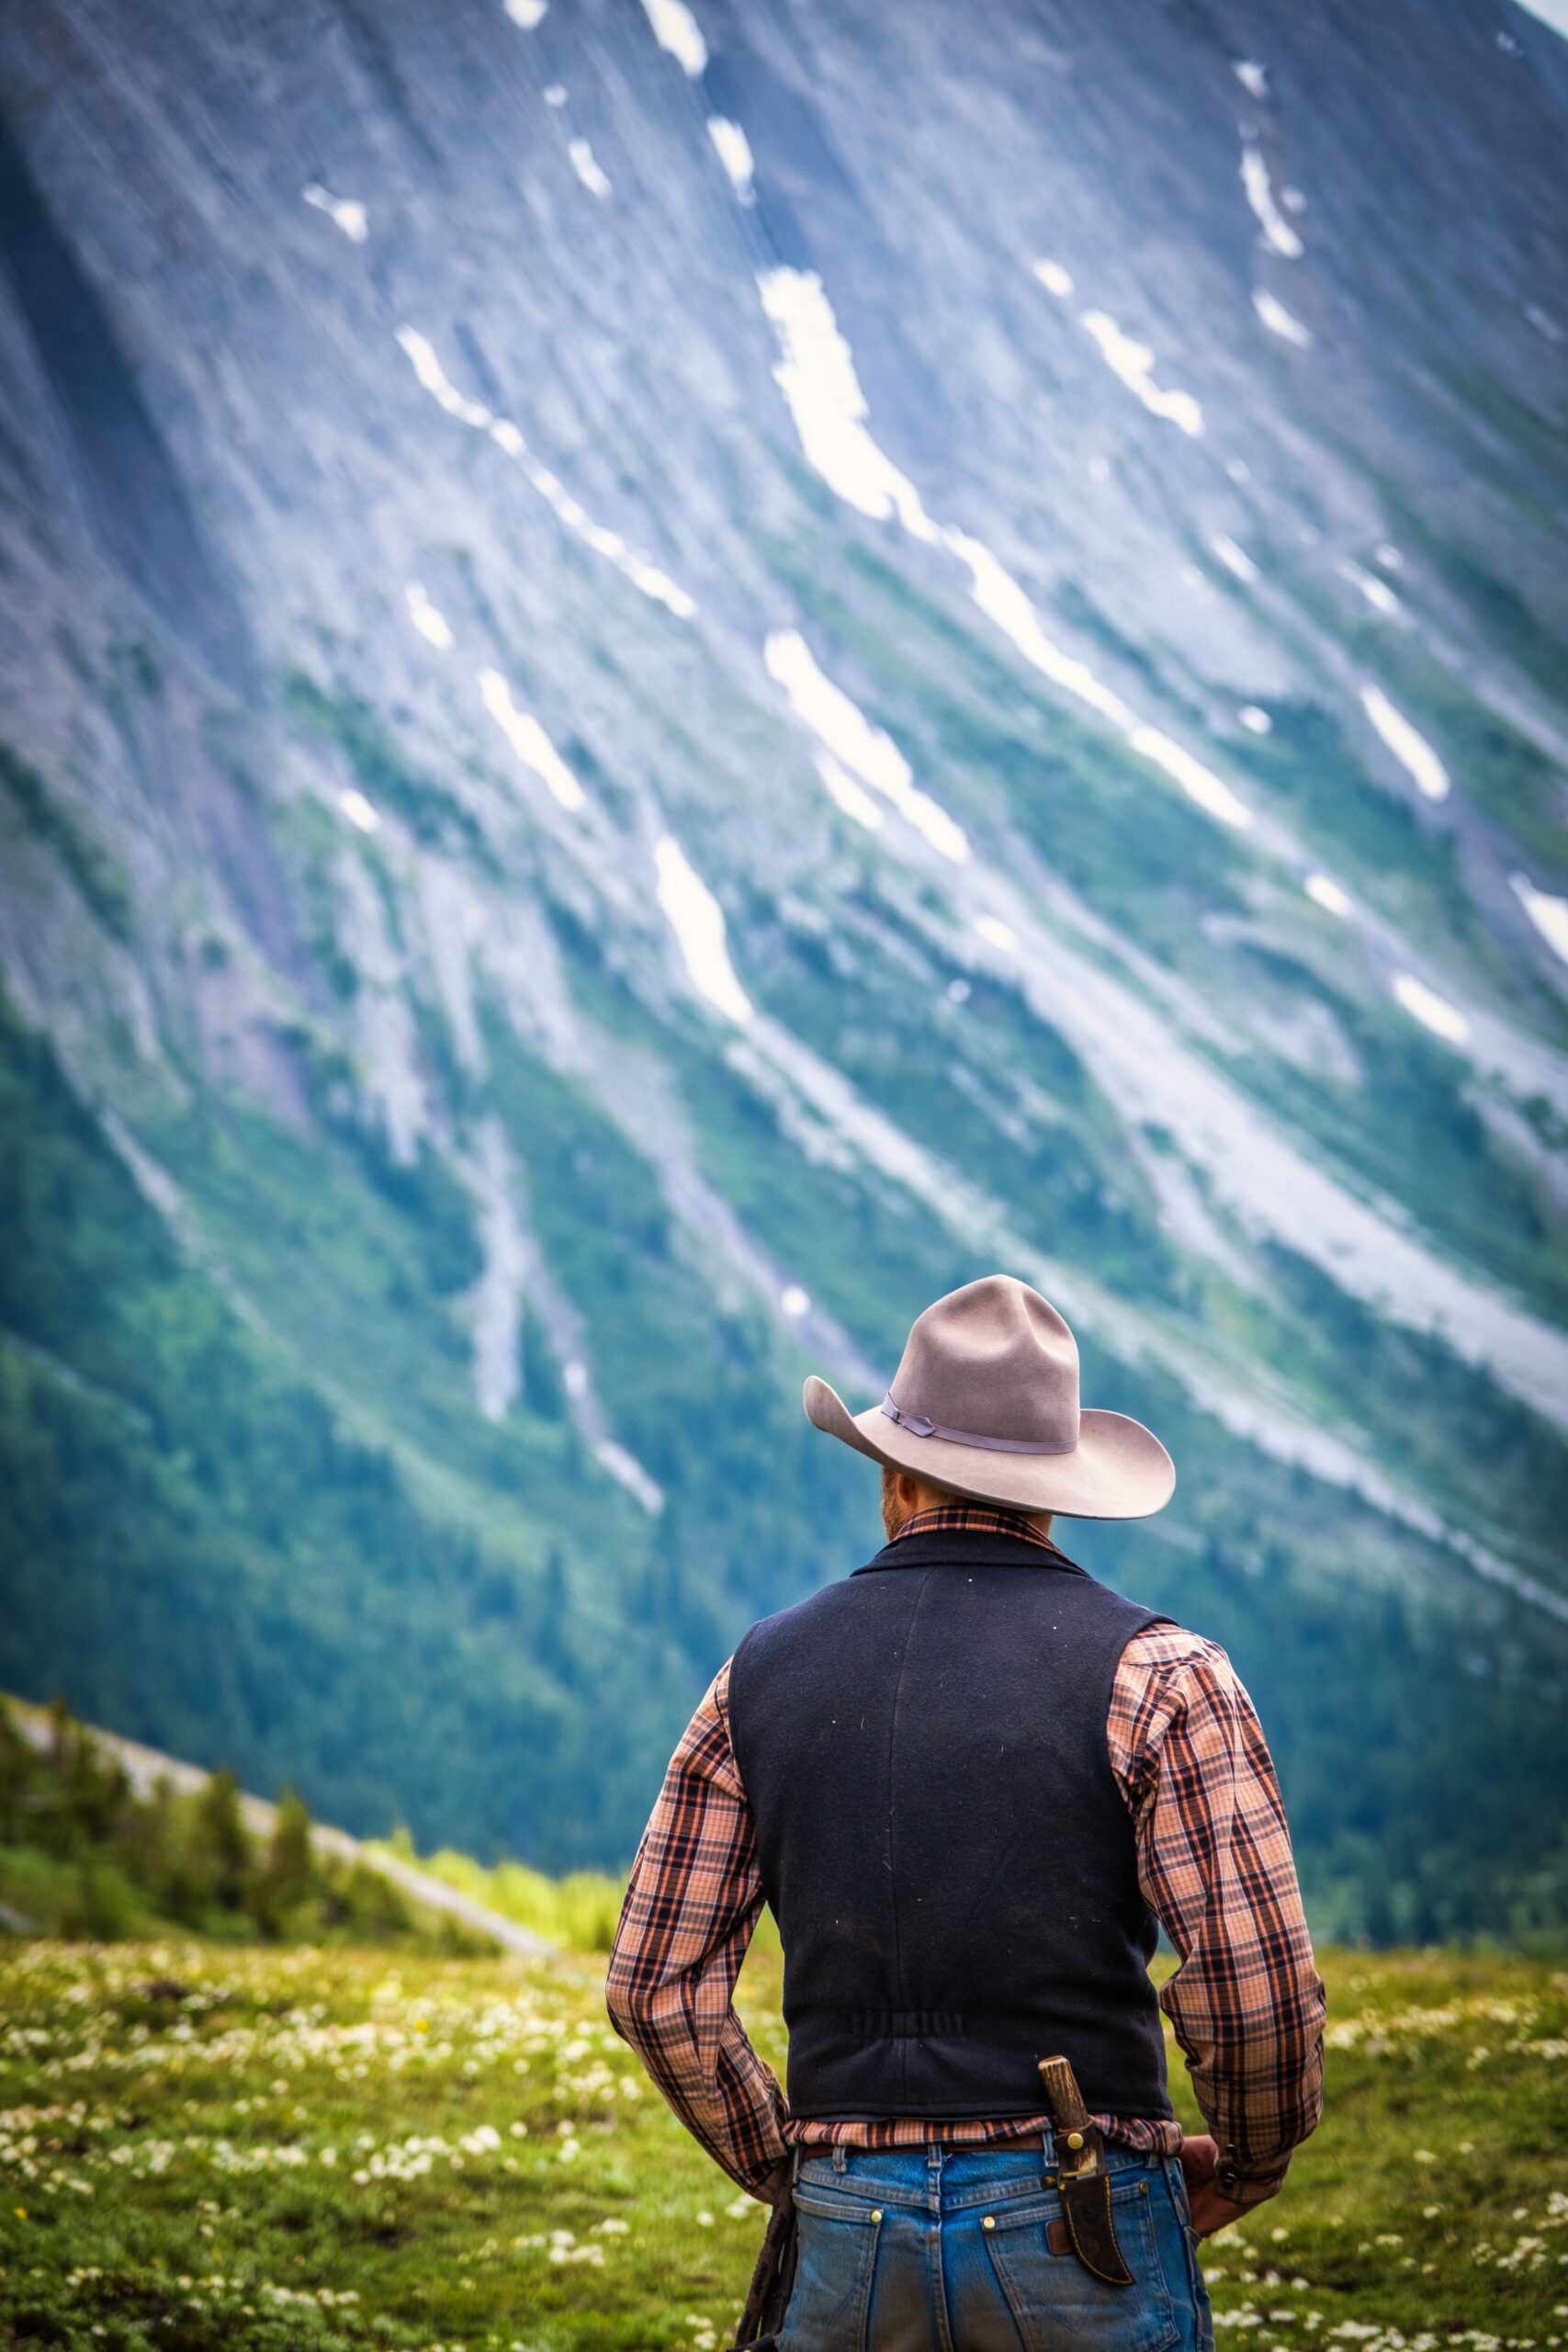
point(969, 1547)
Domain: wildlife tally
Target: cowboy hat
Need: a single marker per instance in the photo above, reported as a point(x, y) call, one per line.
point(986, 1401)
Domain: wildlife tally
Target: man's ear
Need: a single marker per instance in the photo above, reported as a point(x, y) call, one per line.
point(900, 1497)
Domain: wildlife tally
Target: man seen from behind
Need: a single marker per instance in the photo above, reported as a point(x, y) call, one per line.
point(971, 1782)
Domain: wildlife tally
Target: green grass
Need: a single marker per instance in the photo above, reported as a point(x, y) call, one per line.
point(578, 1911)
point(208, 2147)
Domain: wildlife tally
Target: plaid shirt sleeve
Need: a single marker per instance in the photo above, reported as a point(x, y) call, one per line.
point(1215, 1859)
point(691, 1904)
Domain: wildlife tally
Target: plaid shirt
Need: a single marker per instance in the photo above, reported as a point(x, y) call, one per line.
point(1213, 1862)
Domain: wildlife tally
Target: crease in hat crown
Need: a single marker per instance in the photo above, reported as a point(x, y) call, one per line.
point(991, 1362)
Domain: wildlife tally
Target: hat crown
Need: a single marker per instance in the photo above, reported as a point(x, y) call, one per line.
point(995, 1360)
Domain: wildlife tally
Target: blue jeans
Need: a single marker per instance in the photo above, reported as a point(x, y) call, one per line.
point(945, 2250)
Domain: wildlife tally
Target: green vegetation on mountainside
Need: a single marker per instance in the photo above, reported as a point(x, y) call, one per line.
point(255, 1457)
point(28, 804)
point(578, 1912)
point(322, 1566)
point(277, 1592)
point(226, 2150)
point(83, 1855)
point(1317, 1036)
point(431, 814)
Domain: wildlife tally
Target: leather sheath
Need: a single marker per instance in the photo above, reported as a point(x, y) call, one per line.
point(1081, 2175)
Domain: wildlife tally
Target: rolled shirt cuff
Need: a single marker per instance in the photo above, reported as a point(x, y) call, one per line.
point(1249, 2184)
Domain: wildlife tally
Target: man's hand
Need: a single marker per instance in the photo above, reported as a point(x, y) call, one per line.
point(1211, 2212)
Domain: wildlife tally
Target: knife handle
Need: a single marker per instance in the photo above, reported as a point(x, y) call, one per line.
point(1063, 2095)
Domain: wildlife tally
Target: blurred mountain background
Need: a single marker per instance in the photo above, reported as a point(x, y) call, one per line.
point(671, 679)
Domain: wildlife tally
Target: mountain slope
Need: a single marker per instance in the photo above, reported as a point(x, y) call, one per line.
point(678, 678)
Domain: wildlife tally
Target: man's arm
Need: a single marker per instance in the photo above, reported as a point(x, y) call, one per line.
point(692, 1903)
point(1216, 1870)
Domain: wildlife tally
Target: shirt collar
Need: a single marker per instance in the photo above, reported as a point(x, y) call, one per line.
point(986, 1519)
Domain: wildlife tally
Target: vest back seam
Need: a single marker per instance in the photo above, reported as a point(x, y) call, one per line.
point(892, 1752)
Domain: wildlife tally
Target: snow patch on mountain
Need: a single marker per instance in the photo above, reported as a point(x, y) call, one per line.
point(1156, 1079)
point(423, 359)
point(428, 618)
point(1280, 321)
point(1324, 892)
point(849, 797)
point(1377, 592)
point(1259, 190)
point(1132, 362)
point(677, 30)
point(1549, 913)
point(817, 376)
point(1235, 559)
point(1409, 747)
point(344, 211)
point(529, 741)
point(734, 152)
point(697, 919)
point(1201, 786)
point(509, 437)
point(997, 933)
point(1432, 1011)
point(587, 166)
point(856, 745)
point(361, 812)
point(830, 409)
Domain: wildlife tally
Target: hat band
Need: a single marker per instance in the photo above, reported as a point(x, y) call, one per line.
point(917, 1426)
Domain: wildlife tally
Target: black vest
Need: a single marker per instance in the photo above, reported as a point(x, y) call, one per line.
point(943, 1842)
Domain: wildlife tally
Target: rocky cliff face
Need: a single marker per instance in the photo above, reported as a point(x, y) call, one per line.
point(673, 677)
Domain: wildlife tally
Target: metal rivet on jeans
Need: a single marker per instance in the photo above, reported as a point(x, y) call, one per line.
point(876, 2212)
point(989, 2222)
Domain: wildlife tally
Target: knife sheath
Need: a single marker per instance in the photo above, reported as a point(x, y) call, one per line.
point(1081, 2169)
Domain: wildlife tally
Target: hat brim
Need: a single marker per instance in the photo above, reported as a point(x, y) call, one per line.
point(1118, 1469)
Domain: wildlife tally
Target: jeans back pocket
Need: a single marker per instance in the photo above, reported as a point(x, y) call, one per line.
point(1058, 2306)
point(835, 2262)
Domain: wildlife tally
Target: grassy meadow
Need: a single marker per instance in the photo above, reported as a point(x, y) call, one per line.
point(238, 2146)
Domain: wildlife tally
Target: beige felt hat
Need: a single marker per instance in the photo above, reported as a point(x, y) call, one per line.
point(985, 1400)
